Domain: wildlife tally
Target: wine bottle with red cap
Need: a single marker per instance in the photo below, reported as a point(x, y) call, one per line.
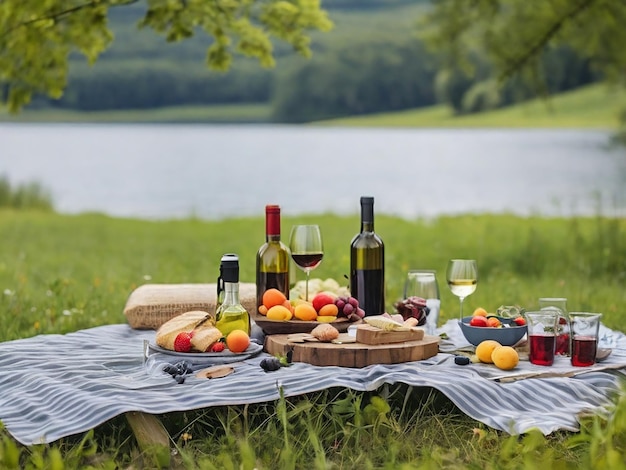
point(272, 259)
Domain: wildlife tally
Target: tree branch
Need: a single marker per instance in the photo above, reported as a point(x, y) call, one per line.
point(519, 63)
point(60, 14)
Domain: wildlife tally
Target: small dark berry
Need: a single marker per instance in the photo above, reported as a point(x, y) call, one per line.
point(461, 360)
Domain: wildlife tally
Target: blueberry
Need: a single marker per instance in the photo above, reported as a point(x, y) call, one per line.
point(270, 364)
point(461, 360)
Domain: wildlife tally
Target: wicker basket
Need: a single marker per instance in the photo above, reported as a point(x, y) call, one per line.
point(151, 305)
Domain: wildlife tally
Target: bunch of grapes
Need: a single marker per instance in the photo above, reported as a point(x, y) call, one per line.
point(413, 307)
point(349, 308)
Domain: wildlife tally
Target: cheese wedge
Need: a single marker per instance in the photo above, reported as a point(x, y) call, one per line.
point(384, 323)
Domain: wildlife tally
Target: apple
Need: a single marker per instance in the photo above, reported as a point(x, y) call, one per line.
point(322, 299)
point(478, 321)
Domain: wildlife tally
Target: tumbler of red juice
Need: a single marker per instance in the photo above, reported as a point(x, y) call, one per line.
point(584, 330)
point(562, 333)
point(542, 334)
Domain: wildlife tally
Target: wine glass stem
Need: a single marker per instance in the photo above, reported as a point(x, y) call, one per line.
point(461, 309)
point(306, 288)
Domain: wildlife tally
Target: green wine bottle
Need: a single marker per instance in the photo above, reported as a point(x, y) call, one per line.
point(367, 263)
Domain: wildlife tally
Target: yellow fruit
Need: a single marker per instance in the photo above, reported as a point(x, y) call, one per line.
point(505, 357)
point(484, 350)
point(279, 312)
point(480, 311)
point(329, 310)
point(305, 312)
point(325, 319)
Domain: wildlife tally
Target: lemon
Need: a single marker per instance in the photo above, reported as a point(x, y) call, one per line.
point(485, 348)
point(325, 318)
point(505, 357)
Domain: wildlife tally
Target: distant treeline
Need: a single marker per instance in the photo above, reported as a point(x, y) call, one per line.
point(357, 70)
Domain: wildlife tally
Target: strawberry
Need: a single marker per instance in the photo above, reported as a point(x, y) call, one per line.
point(217, 347)
point(519, 321)
point(182, 343)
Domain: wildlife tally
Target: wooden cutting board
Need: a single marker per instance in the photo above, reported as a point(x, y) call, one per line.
point(353, 354)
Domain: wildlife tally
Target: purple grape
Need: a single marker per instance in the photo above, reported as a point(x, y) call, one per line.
point(354, 302)
point(348, 309)
point(360, 312)
point(340, 304)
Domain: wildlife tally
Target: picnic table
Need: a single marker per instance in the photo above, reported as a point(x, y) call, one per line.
point(55, 385)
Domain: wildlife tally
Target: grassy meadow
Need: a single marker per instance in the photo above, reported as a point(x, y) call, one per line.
point(60, 273)
point(595, 106)
point(246, 113)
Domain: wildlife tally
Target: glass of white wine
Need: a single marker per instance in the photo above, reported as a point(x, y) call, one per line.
point(307, 250)
point(462, 276)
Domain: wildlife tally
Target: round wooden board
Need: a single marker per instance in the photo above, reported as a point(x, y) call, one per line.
point(353, 354)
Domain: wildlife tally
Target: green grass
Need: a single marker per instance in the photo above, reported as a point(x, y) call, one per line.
point(595, 106)
point(61, 273)
point(245, 113)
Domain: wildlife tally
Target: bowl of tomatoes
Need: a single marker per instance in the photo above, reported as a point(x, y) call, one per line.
point(506, 331)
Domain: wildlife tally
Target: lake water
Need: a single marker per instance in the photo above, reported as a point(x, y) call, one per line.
point(213, 172)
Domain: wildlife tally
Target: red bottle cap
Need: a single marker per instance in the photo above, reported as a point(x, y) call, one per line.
point(272, 220)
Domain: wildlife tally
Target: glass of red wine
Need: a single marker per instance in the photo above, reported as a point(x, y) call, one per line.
point(305, 243)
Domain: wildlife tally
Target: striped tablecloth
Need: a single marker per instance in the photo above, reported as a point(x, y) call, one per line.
point(54, 386)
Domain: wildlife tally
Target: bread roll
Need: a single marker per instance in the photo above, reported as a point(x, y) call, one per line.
point(204, 336)
point(188, 321)
point(325, 332)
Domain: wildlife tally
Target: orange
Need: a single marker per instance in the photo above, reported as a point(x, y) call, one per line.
point(480, 311)
point(493, 322)
point(329, 310)
point(505, 357)
point(273, 297)
point(305, 312)
point(485, 349)
point(237, 341)
point(279, 312)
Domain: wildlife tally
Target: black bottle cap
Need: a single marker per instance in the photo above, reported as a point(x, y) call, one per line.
point(229, 268)
point(367, 209)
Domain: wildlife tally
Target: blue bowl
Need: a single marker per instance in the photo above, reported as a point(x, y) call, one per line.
point(506, 336)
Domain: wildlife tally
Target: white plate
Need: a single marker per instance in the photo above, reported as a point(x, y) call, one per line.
point(223, 357)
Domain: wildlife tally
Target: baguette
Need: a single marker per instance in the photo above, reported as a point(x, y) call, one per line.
point(188, 321)
point(204, 336)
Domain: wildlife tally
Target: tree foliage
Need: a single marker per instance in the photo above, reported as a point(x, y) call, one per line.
point(38, 36)
point(358, 78)
point(480, 91)
point(515, 36)
point(516, 33)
